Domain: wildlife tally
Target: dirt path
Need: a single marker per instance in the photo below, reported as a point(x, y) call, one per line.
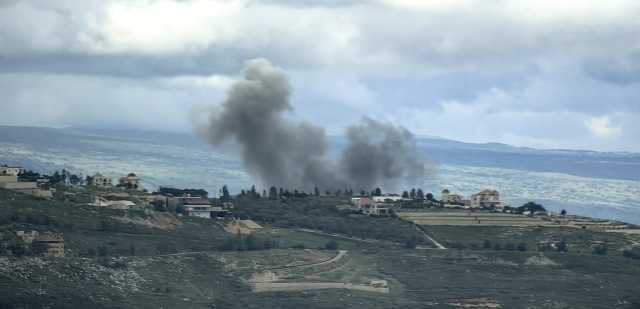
point(435, 243)
point(336, 258)
point(302, 286)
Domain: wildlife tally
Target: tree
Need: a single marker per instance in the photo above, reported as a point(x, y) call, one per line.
point(251, 243)
point(264, 193)
point(522, 247)
point(420, 194)
point(405, 194)
point(316, 191)
point(562, 246)
point(363, 193)
point(331, 245)
point(486, 244)
point(273, 193)
point(377, 192)
point(412, 194)
point(411, 243)
point(225, 194)
point(430, 196)
point(563, 212)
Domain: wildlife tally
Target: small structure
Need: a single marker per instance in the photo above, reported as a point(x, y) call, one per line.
point(376, 209)
point(100, 181)
point(49, 244)
point(202, 208)
point(6, 170)
point(451, 198)
point(131, 182)
point(486, 199)
point(119, 204)
point(358, 203)
point(11, 182)
point(387, 199)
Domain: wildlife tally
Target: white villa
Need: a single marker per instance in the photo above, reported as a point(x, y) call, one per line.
point(486, 199)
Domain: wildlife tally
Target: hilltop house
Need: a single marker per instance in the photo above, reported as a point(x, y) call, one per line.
point(486, 199)
point(202, 208)
point(100, 181)
point(358, 203)
point(49, 244)
point(11, 182)
point(450, 198)
point(387, 199)
point(6, 170)
point(131, 181)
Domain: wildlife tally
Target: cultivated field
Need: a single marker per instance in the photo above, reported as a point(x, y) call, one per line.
point(467, 218)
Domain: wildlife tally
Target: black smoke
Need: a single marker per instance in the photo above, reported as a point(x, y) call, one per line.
point(286, 153)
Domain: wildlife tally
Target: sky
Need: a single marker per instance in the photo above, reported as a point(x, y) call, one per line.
point(540, 73)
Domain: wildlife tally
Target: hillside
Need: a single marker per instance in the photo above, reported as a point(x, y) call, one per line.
point(137, 259)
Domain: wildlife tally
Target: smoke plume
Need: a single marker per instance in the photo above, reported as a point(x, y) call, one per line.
point(286, 153)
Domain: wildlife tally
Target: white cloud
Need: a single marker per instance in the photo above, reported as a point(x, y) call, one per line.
point(601, 127)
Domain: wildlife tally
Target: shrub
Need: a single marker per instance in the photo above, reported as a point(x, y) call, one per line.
point(486, 244)
point(522, 247)
point(331, 245)
point(600, 250)
point(497, 247)
point(510, 247)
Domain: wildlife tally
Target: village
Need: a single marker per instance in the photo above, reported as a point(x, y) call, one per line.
point(485, 208)
point(279, 240)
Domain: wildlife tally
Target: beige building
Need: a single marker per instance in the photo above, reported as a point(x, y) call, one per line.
point(10, 170)
point(100, 181)
point(49, 244)
point(486, 199)
point(451, 198)
point(131, 181)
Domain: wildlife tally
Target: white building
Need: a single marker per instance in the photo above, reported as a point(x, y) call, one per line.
point(6, 170)
point(486, 199)
point(100, 181)
point(387, 199)
point(451, 198)
point(131, 181)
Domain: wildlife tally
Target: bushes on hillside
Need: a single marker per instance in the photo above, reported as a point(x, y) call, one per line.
point(249, 242)
point(322, 214)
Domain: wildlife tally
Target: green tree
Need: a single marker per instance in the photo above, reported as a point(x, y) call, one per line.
point(273, 193)
point(251, 243)
point(331, 245)
point(420, 194)
point(405, 194)
point(377, 192)
point(316, 191)
point(522, 247)
point(486, 244)
point(225, 194)
point(412, 194)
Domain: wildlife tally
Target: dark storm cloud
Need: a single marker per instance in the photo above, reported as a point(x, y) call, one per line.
point(288, 153)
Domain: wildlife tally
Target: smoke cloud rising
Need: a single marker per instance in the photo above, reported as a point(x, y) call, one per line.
point(286, 153)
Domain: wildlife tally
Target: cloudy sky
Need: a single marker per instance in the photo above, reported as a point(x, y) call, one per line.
point(540, 73)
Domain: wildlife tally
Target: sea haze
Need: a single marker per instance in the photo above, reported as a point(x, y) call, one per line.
point(605, 185)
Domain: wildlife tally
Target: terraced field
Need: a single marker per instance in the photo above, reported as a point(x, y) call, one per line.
point(473, 219)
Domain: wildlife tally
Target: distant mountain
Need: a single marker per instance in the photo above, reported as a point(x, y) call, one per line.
point(610, 165)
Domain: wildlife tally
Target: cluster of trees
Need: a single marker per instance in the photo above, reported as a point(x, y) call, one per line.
point(274, 193)
point(62, 176)
point(322, 214)
point(249, 242)
point(509, 246)
point(183, 192)
point(632, 252)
